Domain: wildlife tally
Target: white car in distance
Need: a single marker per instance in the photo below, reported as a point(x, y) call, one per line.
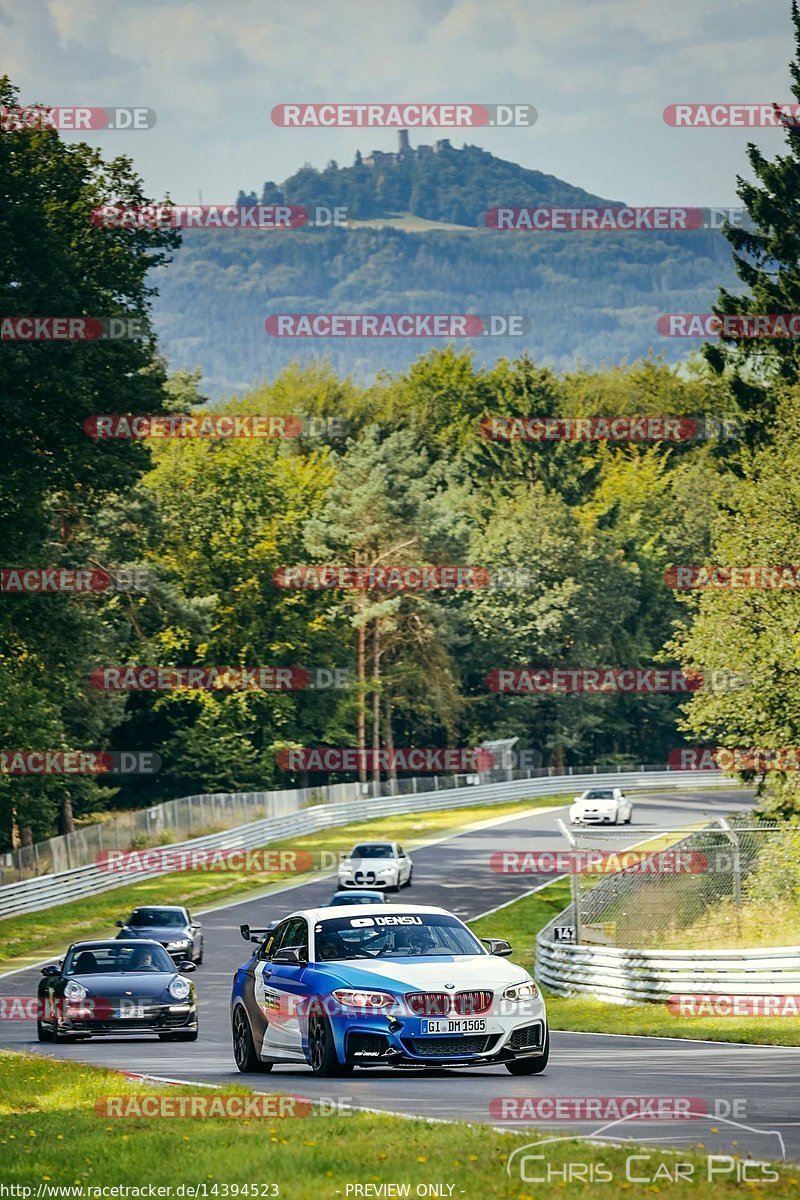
point(376, 865)
point(601, 806)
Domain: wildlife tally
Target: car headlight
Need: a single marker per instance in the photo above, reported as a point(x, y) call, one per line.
point(75, 990)
point(178, 945)
point(521, 991)
point(179, 988)
point(363, 1000)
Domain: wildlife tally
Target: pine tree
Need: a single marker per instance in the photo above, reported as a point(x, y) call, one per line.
point(767, 260)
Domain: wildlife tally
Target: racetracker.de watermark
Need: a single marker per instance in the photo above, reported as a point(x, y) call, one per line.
point(730, 325)
point(37, 580)
point(252, 1106)
point(214, 425)
point(626, 680)
point(733, 116)
point(415, 115)
point(697, 1004)
point(217, 216)
point(732, 760)
point(261, 679)
point(174, 858)
point(349, 758)
point(79, 762)
point(388, 578)
point(687, 577)
point(70, 329)
point(35, 117)
point(606, 862)
point(611, 429)
point(611, 219)
point(597, 1108)
point(396, 325)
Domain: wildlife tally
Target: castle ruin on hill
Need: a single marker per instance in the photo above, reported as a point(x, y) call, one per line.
point(405, 151)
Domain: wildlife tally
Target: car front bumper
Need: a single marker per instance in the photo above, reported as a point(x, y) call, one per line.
point(592, 816)
point(375, 1040)
point(368, 879)
point(161, 1018)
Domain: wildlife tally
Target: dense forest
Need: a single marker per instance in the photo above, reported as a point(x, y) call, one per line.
point(592, 299)
point(445, 184)
point(594, 526)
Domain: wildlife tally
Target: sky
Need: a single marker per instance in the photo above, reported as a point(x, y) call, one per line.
point(599, 73)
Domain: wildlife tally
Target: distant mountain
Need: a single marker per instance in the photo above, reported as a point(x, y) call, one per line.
point(437, 182)
point(591, 298)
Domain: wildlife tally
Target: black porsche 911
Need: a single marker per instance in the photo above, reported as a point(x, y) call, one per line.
point(114, 988)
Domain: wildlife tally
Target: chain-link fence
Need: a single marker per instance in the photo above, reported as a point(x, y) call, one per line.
point(193, 816)
point(734, 883)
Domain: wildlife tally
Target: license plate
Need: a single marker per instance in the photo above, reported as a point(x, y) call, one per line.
point(470, 1025)
point(132, 1010)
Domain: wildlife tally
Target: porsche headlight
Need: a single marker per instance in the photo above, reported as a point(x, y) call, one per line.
point(75, 990)
point(521, 991)
point(179, 988)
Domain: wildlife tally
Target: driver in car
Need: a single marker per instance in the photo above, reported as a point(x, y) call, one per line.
point(414, 940)
point(142, 960)
point(331, 946)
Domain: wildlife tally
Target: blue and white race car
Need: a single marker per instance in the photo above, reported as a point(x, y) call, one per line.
point(367, 985)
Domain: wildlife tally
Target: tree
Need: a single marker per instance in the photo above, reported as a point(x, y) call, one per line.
point(767, 260)
point(753, 631)
point(53, 477)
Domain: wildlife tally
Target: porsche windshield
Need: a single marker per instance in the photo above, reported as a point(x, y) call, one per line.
point(400, 935)
point(144, 958)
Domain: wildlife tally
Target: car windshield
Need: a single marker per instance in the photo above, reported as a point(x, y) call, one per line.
point(356, 898)
point(117, 957)
point(401, 935)
point(373, 850)
point(600, 794)
point(165, 918)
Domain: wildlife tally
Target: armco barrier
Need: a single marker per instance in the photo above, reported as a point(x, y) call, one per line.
point(31, 895)
point(631, 976)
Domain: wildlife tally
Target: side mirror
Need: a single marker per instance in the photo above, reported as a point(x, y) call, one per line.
point(187, 966)
point(289, 955)
point(52, 969)
point(244, 930)
point(498, 946)
point(120, 924)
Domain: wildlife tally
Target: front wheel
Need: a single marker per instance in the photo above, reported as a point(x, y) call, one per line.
point(244, 1050)
point(43, 1033)
point(410, 877)
point(533, 1065)
point(321, 1048)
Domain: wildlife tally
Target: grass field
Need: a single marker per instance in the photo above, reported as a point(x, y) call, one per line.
point(51, 1135)
point(34, 936)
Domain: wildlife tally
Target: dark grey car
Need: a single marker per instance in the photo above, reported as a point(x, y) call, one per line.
point(169, 924)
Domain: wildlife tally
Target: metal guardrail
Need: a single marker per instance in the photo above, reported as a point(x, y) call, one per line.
point(631, 976)
point(32, 895)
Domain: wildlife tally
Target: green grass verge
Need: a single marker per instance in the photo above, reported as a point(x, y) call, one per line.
point(33, 936)
point(521, 921)
point(51, 1135)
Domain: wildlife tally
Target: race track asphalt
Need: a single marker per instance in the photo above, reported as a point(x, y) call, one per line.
point(758, 1087)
